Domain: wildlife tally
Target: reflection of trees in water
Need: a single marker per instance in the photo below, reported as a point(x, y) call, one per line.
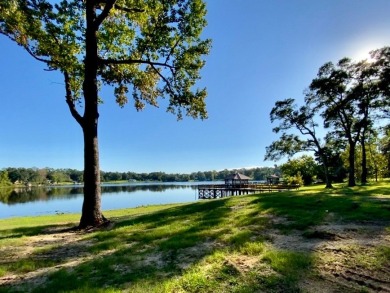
point(4, 194)
point(151, 187)
point(30, 194)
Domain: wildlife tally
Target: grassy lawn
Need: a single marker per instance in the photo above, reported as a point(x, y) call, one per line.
point(335, 240)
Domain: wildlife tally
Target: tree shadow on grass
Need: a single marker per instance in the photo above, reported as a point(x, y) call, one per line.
point(305, 210)
point(342, 224)
point(138, 247)
point(33, 231)
point(175, 245)
point(168, 252)
point(157, 248)
point(370, 189)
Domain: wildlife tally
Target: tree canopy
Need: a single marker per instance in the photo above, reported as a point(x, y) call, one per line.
point(144, 49)
point(300, 119)
point(351, 98)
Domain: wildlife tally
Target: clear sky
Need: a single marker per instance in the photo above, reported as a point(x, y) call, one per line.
point(263, 51)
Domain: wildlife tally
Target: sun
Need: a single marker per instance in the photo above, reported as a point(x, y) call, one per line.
point(362, 54)
point(359, 50)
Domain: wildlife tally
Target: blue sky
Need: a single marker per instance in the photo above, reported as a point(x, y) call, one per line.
point(263, 51)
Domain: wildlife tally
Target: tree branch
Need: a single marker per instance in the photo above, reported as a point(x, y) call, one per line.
point(70, 101)
point(47, 61)
point(129, 10)
point(133, 61)
point(109, 4)
point(164, 79)
point(107, 8)
point(172, 49)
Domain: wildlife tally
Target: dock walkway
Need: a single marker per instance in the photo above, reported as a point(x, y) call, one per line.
point(209, 191)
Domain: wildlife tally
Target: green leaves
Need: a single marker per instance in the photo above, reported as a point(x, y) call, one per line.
point(50, 33)
point(146, 48)
point(349, 96)
point(287, 145)
point(157, 52)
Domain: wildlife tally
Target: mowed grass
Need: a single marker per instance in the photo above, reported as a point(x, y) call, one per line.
point(208, 246)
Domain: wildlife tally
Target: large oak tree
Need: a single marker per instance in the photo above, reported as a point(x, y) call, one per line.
point(350, 95)
point(144, 49)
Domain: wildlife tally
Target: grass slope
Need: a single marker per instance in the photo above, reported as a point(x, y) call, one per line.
point(309, 240)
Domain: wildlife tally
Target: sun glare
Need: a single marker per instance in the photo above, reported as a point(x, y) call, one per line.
point(362, 54)
point(359, 48)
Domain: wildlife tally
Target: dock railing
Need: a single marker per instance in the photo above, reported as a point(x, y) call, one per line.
point(259, 186)
point(222, 190)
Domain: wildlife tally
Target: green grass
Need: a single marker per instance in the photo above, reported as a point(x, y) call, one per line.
point(207, 246)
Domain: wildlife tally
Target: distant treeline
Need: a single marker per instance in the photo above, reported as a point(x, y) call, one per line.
point(53, 176)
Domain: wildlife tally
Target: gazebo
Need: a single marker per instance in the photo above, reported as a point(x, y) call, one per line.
point(236, 179)
point(273, 179)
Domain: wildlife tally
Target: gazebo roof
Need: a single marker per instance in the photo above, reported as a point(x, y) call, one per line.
point(237, 176)
point(273, 176)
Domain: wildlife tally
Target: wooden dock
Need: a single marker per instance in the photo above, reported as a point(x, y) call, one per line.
point(224, 190)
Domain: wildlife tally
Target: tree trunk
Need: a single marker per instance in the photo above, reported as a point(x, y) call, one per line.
point(325, 165)
point(364, 161)
point(351, 160)
point(328, 180)
point(91, 211)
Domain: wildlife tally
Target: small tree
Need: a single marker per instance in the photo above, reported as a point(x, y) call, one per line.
point(4, 179)
point(145, 49)
point(304, 167)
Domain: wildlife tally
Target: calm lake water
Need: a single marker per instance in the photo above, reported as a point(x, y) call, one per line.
point(68, 199)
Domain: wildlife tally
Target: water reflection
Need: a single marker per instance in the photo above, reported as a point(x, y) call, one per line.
point(149, 187)
point(30, 194)
point(47, 200)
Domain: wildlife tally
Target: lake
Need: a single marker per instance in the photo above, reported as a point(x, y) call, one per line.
point(36, 201)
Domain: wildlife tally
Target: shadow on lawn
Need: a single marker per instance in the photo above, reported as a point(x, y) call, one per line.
point(145, 247)
point(358, 215)
point(304, 210)
point(142, 252)
point(31, 231)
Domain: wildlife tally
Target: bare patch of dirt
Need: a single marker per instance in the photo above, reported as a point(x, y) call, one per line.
point(65, 249)
point(154, 259)
point(188, 255)
point(244, 263)
point(346, 256)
